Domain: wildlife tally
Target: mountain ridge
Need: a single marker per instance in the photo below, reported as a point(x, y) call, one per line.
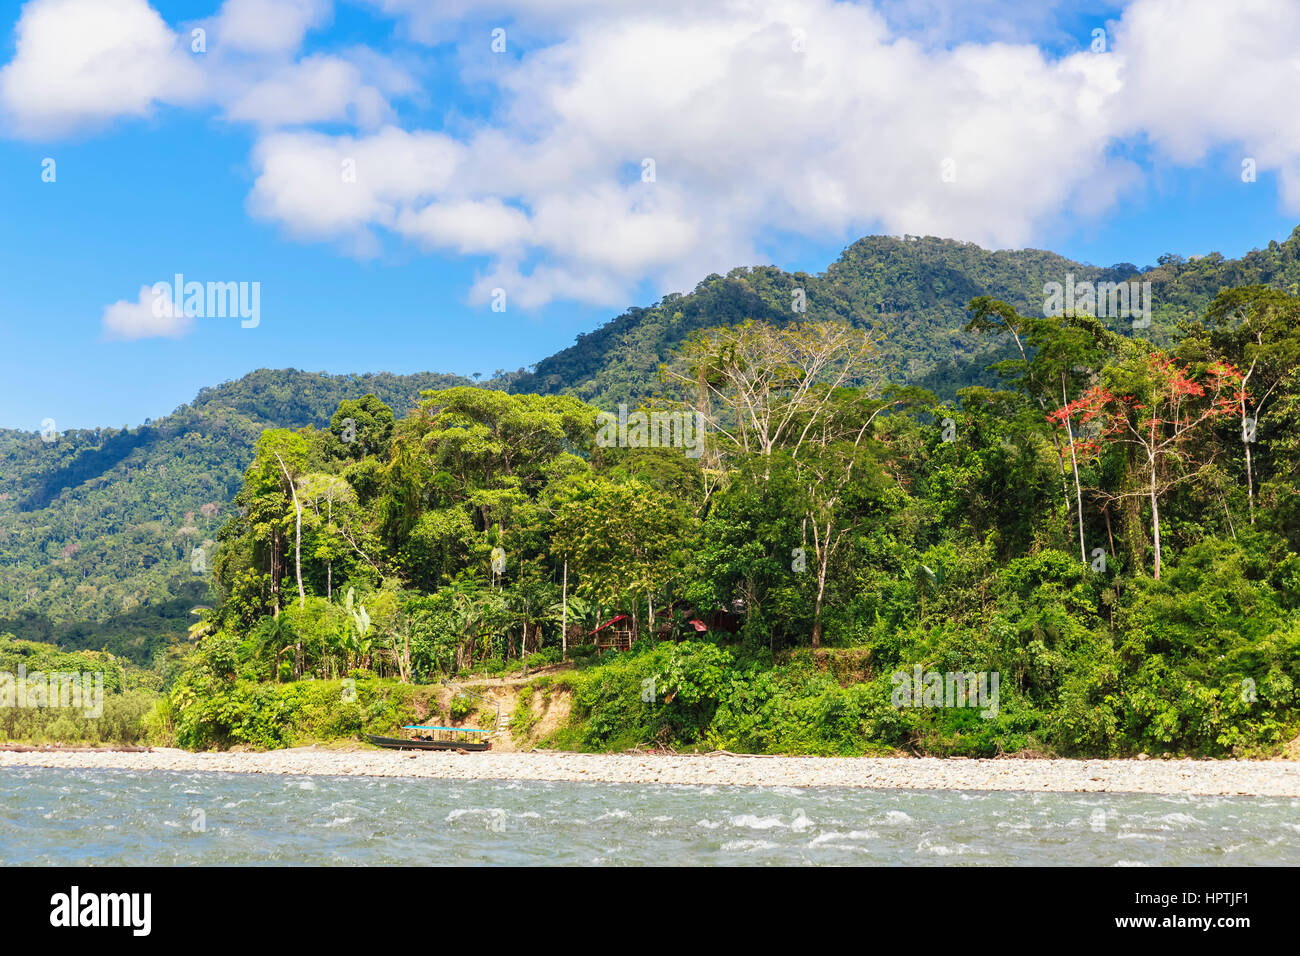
point(97, 524)
point(915, 287)
point(100, 525)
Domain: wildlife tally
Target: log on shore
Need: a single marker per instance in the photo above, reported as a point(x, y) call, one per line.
point(49, 748)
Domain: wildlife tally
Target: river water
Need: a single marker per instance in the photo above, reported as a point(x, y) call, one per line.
point(105, 817)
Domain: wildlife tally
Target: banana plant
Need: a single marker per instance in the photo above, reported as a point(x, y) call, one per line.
point(360, 621)
point(927, 581)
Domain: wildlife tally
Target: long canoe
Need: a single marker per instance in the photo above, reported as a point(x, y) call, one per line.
point(447, 738)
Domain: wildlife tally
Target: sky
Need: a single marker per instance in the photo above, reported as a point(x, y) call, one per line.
point(466, 185)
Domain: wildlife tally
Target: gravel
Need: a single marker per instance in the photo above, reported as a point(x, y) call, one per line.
point(1275, 778)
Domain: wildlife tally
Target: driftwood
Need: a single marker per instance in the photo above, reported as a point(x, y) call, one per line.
point(24, 748)
point(728, 753)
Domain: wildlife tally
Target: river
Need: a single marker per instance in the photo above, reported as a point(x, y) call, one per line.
point(115, 817)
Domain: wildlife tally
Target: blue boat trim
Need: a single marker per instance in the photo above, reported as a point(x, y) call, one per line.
point(462, 730)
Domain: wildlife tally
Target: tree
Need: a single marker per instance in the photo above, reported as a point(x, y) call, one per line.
point(804, 391)
point(530, 599)
point(760, 387)
point(825, 463)
point(326, 494)
point(1258, 328)
point(297, 535)
point(1157, 406)
point(1058, 356)
point(358, 644)
point(274, 636)
point(621, 539)
point(361, 426)
point(267, 504)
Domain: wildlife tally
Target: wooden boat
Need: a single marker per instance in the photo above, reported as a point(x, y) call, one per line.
point(436, 738)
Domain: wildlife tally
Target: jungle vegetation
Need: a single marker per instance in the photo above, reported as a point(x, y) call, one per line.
point(1112, 529)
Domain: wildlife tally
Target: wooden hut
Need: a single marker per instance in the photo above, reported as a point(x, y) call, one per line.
point(615, 634)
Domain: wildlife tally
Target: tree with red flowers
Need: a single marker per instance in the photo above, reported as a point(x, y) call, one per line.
point(1058, 357)
point(1158, 407)
point(1258, 328)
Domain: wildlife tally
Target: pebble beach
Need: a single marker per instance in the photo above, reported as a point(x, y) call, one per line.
point(1274, 778)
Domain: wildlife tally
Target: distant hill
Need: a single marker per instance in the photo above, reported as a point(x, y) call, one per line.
point(98, 527)
point(914, 289)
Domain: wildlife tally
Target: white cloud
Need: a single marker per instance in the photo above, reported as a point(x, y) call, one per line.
point(269, 26)
point(316, 89)
point(322, 186)
point(1200, 76)
point(469, 227)
point(148, 317)
point(544, 284)
point(822, 119)
point(436, 21)
point(749, 133)
point(80, 64)
point(83, 62)
point(763, 117)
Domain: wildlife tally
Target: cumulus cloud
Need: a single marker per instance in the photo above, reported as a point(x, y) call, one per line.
point(470, 227)
point(80, 63)
point(430, 22)
point(150, 316)
point(628, 143)
point(1196, 79)
point(321, 186)
point(270, 26)
point(815, 118)
point(808, 117)
point(316, 89)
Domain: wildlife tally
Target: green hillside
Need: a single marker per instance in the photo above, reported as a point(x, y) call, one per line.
point(98, 528)
point(1106, 545)
point(914, 289)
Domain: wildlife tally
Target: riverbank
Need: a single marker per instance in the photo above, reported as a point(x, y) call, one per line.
point(1275, 778)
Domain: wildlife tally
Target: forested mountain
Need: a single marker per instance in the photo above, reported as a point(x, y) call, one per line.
point(98, 528)
point(1107, 543)
point(914, 289)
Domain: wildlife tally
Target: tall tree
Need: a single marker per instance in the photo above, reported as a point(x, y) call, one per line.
point(1157, 406)
point(762, 387)
point(1257, 329)
point(1058, 357)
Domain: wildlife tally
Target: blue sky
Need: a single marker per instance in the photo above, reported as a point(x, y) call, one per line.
point(521, 170)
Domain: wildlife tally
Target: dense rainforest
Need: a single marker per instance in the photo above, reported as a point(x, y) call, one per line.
point(98, 527)
point(1111, 530)
point(911, 467)
point(915, 288)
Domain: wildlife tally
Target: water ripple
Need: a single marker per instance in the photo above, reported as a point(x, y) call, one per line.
point(113, 817)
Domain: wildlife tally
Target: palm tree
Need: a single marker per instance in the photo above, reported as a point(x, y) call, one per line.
point(582, 613)
point(356, 641)
point(530, 602)
point(473, 608)
point(927, 581)
point(274, 635)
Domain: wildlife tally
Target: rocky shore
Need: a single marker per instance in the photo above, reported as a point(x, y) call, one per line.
point(1275, 778)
